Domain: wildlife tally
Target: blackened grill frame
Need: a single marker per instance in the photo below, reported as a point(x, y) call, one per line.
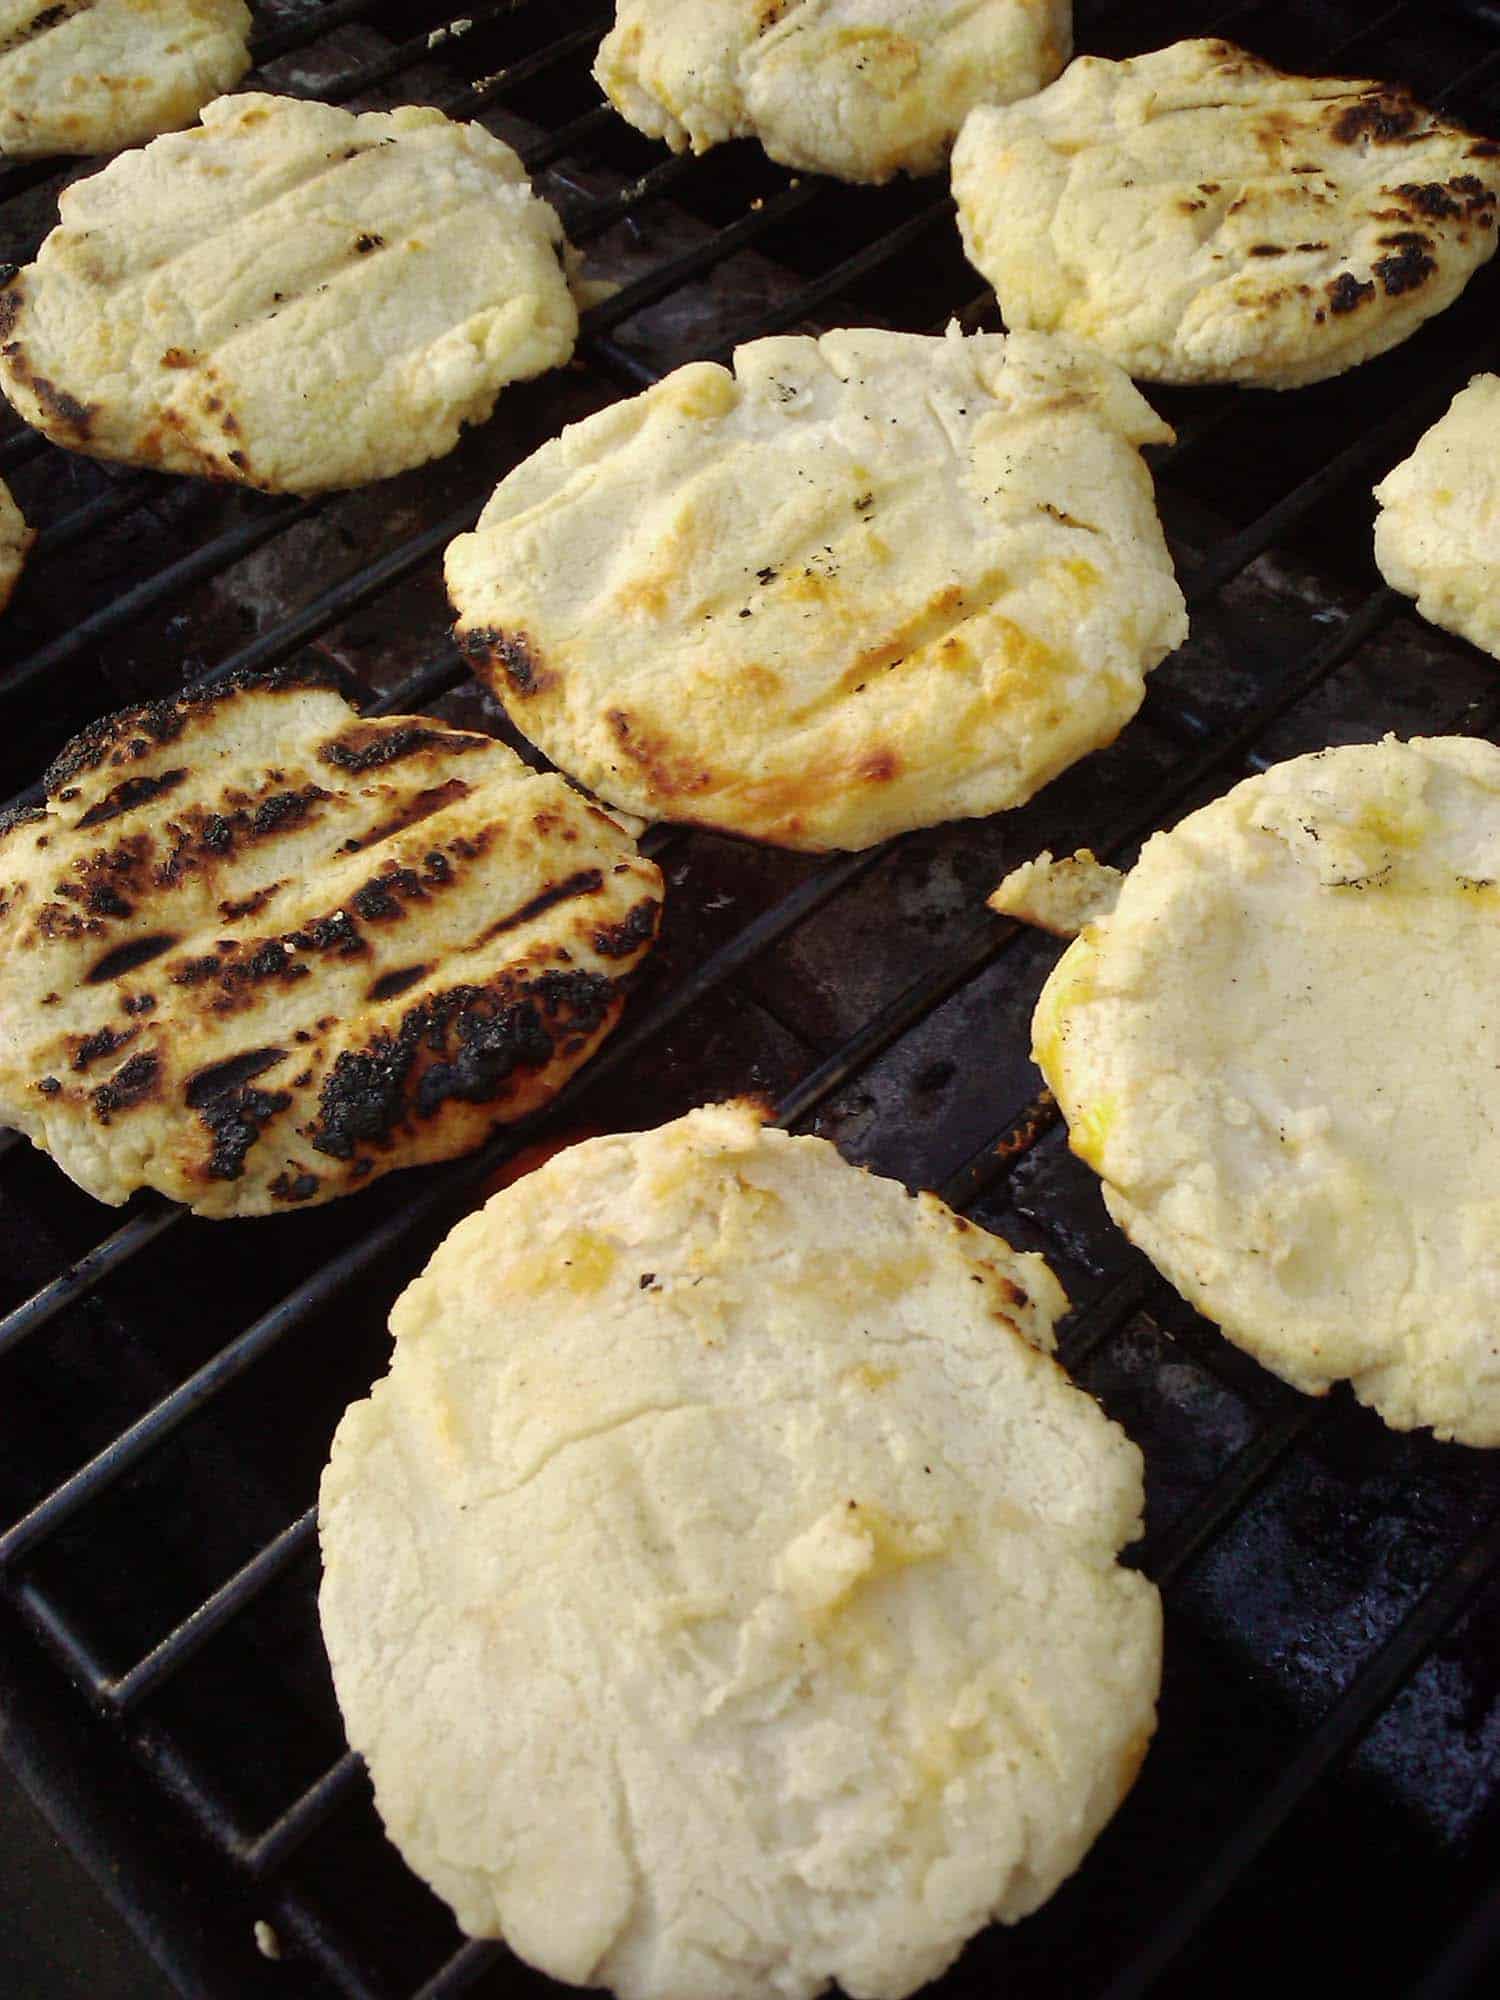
point(269, 1856)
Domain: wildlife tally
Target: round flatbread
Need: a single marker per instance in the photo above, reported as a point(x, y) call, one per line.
point(864, 583)
point(290, 295)
point(88, 76)
point(721, 1586)
point(1200, 217)
point(15, 539)
point(1437, 536)
point(863, 89)
point(256, 950)
point(1281, 1053)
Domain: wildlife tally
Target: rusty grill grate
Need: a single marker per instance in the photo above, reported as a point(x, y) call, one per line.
point(1330, 1731)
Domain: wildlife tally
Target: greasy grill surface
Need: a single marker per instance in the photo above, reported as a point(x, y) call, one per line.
point(1326, 1780)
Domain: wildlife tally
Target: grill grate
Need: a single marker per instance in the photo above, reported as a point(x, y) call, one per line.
point(160, 1464)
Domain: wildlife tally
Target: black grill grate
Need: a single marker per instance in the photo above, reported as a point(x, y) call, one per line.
point(167, 1388)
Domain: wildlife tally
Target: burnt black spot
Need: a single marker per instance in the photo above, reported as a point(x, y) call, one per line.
point(623, 939)
point(369, 749)
point(479, 1036)
point(193, 971)
point(103, 1042)
point(437, 866)
point(338, 932)
point(126, 957)
point(1381, 117)
point(295, 1187)
point(133, 1081)
point(587, 882)
point(1267, 249)
point(1410, 267)
point(103, 901)
point(139, 1003)
point(284, 810)
point(380, 898)
point(48, 1086)
point(510, 650)
point(130, 793)
point(236, 1119)
point(217, 835)
point(1345, 292)
point(367, 242)
point(213, 1081)
point(246, 906)
point(389, 984)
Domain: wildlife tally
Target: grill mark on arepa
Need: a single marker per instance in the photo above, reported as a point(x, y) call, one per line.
point(391, 984)
point(634, 930)
point(421, 805)
point(87, 1049)
point(127, 957)
point(130, 793)
point(463, 1045)
point(43, 22)
point(587, 882)
point(215, 1079)
point(370, 748)
point(130, 1085)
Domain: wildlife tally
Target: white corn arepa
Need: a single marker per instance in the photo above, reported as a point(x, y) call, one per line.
point(1280, 1053)
point(1201, 217)
point(15, 539)
point(1437, 535)
point(289, 295)
point(864, 583)
point(88, 76)
point(721, 1586)
point(864, 89)
point(256, 950)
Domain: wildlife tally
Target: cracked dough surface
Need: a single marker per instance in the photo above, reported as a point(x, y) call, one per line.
point(863, 89)
point(1280, 1053)
point(1201, 217)
point(15, 539)
point(290, 295)
point(721, 1586)
point(88, 76)
point(1437, 536)
point(864, 583)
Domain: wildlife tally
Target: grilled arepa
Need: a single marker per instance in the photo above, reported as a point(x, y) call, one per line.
point(863, 89)
point(15, 539)
point(290, 295)
point(1281, 1054)
point(722, 1585)
point(1437, 536)
point(90, 75)
point(255, 950)
point(864, 583)
point(1200, 217)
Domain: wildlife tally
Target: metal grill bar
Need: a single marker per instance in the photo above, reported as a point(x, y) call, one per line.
point(1373, 1688)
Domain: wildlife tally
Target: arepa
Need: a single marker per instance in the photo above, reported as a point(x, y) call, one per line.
point(863, 89)
point(256, 950)
point(1200, 217)
point(88, 76)
point(1281, 1054)
point(722, 1586)
point(289, 295)
point(1437, 535)
point(860, 584)
point(15, 539)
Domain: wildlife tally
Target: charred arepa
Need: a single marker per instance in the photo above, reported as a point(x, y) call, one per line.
point(255, 951)
point(1201, 217)
point(722, 1585)
point(88, 76)
point(863, 89)
point(15, 539)
point(1280, 1053)
point(1437, 536)
point(290, 295)
point(860, 584)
